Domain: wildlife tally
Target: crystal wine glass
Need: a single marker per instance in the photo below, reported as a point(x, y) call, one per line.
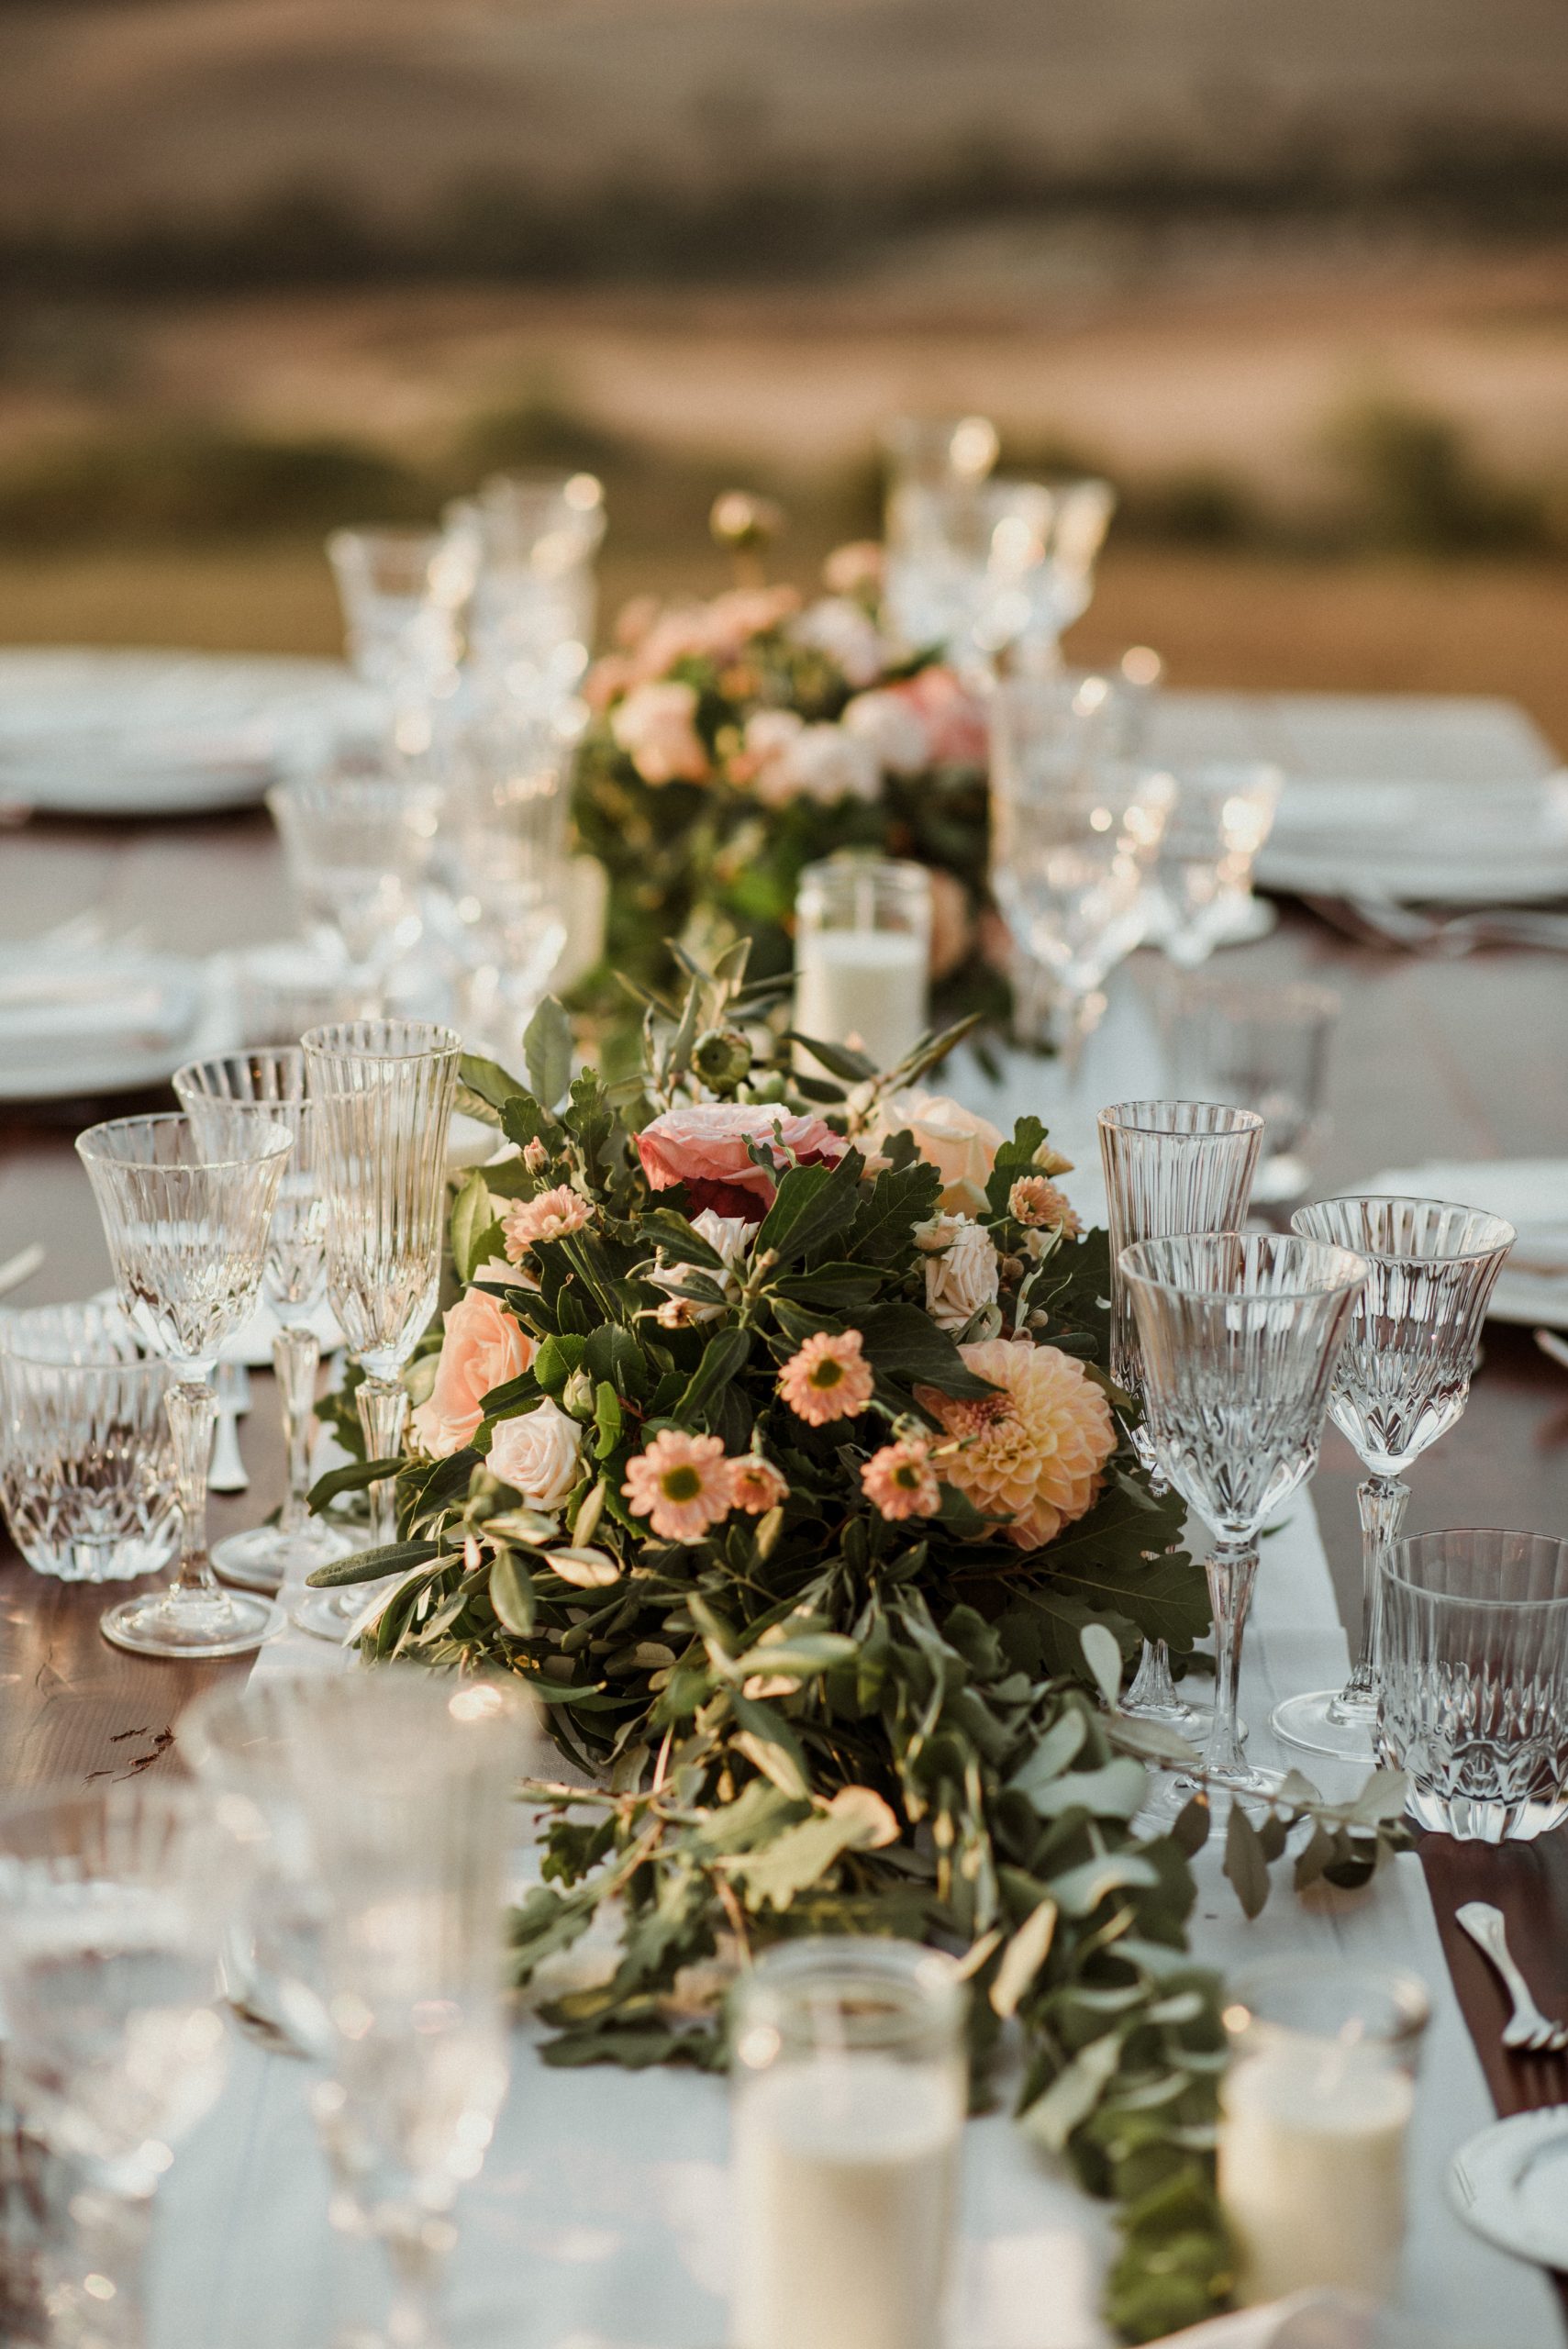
point(271, 1083)
point(1220, 817)
point(358, 845)
point(505, 842)
point(188, 1215)
point(1239, 1340)
point(1402, 1380)
point(111, 1908)
point(1170, 1166)
point(383, 1090)
point(1072, 833)
point(1265, 1048)
point(396, 1977)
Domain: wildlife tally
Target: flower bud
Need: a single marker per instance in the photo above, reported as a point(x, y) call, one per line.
point(722, 1058)
point(578, 1398)
point(535, 1158)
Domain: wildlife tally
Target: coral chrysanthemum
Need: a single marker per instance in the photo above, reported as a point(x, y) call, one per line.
point(551, 1216)
point(1033, 1452)
point(900, 1481)
point(1035, 1201)
point(681, 1483)
point(830, 1378)
point(755, 1485)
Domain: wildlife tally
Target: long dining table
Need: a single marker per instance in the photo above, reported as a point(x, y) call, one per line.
point(1434, 1058)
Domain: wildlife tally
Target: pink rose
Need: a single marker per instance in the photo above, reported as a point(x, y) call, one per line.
point(954, 720)
point(705, 1147)
point(655, 726)
point(481, 1347)
point(854, 570)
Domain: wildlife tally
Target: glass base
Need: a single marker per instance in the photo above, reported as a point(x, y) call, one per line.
point(263, 1558)
point(192, 1623)
point(331, 1614)
point(1324, 1722)
point(1174, 1791)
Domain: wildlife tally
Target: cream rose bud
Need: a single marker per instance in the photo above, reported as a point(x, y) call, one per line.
point(892, 729)
point(538, 1454)
point(962, 1146)
point(730, 1237)
point(962, 1269)
point(847, 634)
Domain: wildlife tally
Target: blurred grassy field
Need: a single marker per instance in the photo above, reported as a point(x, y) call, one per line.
point(1220, 618)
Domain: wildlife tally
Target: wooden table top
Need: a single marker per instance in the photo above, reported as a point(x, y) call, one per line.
point(1433, 1059)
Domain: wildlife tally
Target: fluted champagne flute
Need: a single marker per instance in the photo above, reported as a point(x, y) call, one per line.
point(270, 1083)
point(383, 1090)
point(1169, 1166)
point(1239, 1337)
point(188, 1215)
point(1402, 1380)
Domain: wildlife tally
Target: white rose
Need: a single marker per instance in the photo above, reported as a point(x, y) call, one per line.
point(730, 1236)
point(538, 1454)
point(892, 729)
point(826, 764)
point(962, 1270)
point(846, 632)
point(958, 1142)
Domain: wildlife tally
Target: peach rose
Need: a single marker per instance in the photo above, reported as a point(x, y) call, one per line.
point(956, 731)
point(960, 1144)
point(482, 1348)
point(704, 1145)
point(655, 726)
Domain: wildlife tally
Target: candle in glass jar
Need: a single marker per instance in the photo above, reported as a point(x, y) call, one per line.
point(862, 987)
point(1312, 2168)
point(846, 2179)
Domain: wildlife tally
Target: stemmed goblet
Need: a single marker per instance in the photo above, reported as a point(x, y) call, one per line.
point(383, 1090)
point(389, 1964)
point(1239, 1337)
point(111, 1908)
point(1402, 1380)
point(187, 1213)
point(271, 1084)
point(1170, 1166)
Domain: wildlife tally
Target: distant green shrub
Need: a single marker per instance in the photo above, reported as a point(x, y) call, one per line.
point(195, 482)
point(1415, 484)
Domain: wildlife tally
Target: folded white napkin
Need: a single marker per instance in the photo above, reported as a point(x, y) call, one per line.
point(141, 1002)
point(1532, 1193)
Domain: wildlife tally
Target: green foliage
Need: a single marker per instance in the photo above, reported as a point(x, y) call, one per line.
point(817, 1718)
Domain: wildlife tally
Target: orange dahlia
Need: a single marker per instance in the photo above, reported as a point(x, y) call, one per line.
point(1032, 1454)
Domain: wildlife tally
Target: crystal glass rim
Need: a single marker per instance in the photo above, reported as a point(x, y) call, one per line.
point(236, 1719)
point(106, 1157)
point(1464, 1599)
point(292, 1055)
point(445, 1044)
point(326, 785)
point(1352, 1268)
point(151, 1363)
point(1409, 1200)
point(1245, 1121)
point(181, 1801)
point(1404, 1989)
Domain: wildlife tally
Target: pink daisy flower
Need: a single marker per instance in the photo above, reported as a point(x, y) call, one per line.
point(830, 1378)
point(681, 1483)
point(900, 1481)
point(551, 1216)
point(1037, 1203)
point(755, 1485)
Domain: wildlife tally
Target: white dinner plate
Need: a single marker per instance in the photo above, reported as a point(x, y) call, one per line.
point(1532, 1193)
point(1510, 2183)
point(90, 1063)
point(85, 731)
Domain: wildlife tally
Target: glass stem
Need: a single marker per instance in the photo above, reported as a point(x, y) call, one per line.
point(383, 1408)
point(296, 1354)
point(413, 2320)
point(1153, 1690)
point(1382, 1502)
point(192, 1407)
point(96, 2291)
point(1232, 1570)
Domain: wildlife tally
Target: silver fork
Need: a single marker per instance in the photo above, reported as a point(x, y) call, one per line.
point(1526, 2027)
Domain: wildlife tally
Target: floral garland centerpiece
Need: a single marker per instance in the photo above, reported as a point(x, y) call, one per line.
point(735, 741)
point(775, 1452)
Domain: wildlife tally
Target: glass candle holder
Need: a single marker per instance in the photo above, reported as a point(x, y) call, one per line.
point(86, 1461)
point(1314, 2112)
point(849, 2086)
point(863, 954)
point(1475, 1703)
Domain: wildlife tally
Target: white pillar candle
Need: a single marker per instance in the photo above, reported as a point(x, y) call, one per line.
point(1312, 2168)
point(862, 987)
point(846, 2173)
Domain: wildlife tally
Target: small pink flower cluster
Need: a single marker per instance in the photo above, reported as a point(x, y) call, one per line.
point(553, 1215)
point(1037, 1203)
point(652, 640)
point(682, 1483)
point(900, 1481)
